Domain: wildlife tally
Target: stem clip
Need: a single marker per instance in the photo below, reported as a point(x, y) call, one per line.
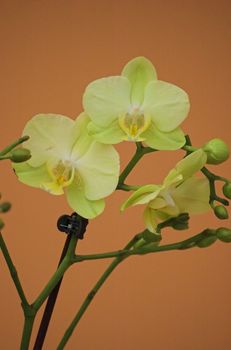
point(73, 224)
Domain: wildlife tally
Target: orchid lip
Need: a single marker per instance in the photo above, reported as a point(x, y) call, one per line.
point(62, 173)
point(134, 123)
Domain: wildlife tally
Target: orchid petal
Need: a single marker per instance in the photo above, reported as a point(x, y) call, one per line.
point(167, 104)
point(157, 203)
point(142, 196)
point(110, 135)
point(82, 140)
point(51, 135)
point(99, 169)
point(150, 219)
point(32, 176)
point(106, 99)
point(192, 196)
point(189, 165)
point(139, 71)
point(78, 202)
point(173, 178)
point(157, 139)
point(167, 212)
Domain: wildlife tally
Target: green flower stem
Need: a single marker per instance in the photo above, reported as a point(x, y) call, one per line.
point(13, 272)
point(29, 317)
point(93, 292)
point(125, 187)
point(213, 196)
point(13, 145)
point(221, 178)
point(149, 248)
point(189, 149)
point(65, 264)
point(87, 302)
point(140, 152)
point(27, 330)
point(113, 254)
point(119, 257)
point(30, 311)
point(4, 157)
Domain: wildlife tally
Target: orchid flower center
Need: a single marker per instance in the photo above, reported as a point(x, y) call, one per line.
point(134, 122)
point(63, 173)
point(166, 195)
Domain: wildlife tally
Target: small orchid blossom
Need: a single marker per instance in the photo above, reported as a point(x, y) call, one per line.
point(136, 107)
point(180, 192)
point(66, 159)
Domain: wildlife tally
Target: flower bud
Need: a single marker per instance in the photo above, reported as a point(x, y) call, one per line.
point(224, 234)
point(150, 236)
point(1, 224)
point(206, 242)
point(217, 151)
point(180, 225)
point(227, 190)
point(19, 155)
point(183, 217)
point(180, 222)
point(4, 207)
point(221, 212)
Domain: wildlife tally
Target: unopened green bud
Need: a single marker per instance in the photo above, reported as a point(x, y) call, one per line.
point(4, 207)
point(180, 225)
point(151, 237)
point(217, 151)
point(224, 234)
point(19, 155)
point(180, 222)
point(1, 224)
point(221, 212)
point(206, 242)
point(227, 190)
point(184, 217)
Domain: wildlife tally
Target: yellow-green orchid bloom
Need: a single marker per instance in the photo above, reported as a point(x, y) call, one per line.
point(181, 192)
point(135, 106)
point(66, 159)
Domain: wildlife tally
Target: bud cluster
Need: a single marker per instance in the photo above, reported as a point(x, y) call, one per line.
point(220, 210)
point(217, 152)
point(180, 222)
point(210, 236)
point(224, 234)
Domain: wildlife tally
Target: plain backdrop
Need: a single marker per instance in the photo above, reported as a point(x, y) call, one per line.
point(50, 51)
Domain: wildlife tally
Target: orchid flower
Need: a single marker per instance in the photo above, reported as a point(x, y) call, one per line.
point(65, 159)
point(181, 192)
point(136, 106)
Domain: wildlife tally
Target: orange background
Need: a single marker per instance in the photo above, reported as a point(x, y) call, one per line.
point(50, 51)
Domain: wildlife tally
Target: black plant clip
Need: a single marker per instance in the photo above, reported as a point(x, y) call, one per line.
point(73, 224)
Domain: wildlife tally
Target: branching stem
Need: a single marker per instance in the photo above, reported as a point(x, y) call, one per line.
point(140, 152)
point(120, 256)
